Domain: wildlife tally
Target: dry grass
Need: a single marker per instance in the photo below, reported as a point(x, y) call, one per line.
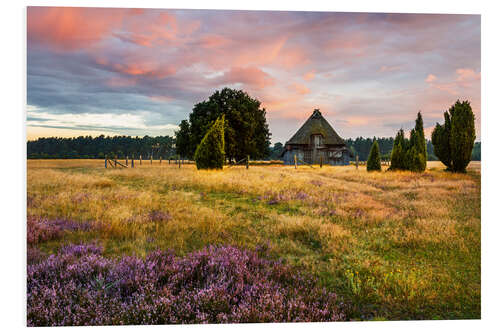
point(397, 245)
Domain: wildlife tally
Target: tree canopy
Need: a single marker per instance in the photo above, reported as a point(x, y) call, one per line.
point(246, 128)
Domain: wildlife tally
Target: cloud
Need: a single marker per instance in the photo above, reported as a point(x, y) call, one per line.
point(309, 75)
point(430, 78)
point(249, 76)
point(466, 76)
point(71, 28)
point(300, 88)
point(389, 68)
point(108, 122)
point(159, 63)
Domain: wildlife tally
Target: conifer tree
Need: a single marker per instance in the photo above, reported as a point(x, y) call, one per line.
point(210, 152)
point(417, 154)
point(453, 141)
point(373, 163)
point(398, 152)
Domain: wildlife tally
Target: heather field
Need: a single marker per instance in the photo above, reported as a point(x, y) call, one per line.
point(158, 244)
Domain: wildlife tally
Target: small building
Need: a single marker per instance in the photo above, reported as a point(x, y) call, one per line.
point(316, 142)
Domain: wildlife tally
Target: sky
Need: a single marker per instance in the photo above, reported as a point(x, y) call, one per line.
point(113, 71)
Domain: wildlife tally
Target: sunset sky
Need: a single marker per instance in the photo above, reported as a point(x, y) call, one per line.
point(140, 71)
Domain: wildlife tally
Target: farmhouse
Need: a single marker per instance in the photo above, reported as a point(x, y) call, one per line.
point(316, 142)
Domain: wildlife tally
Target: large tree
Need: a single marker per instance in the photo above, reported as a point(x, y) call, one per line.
point(453, 141)
point(246, 128)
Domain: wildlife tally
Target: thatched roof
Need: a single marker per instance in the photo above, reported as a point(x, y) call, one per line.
point(316, 124)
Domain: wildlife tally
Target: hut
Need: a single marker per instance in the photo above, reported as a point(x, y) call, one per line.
point(316, 142)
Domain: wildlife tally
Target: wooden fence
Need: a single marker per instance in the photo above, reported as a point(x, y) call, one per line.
point(132, 162)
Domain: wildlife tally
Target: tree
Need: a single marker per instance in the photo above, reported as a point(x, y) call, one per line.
point(246, 128)
point(373, 163)
point(417, 155)
point(453, 142)
point(410, 154)
point(210, 152)
point(398, 156)
point(183, 139)
point(275, 151)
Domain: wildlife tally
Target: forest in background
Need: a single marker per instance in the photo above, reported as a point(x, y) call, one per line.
point(164, 146)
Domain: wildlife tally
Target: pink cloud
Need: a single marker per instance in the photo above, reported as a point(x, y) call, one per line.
point(251, 76)
point(430, 78)
point(309, 75)
point(68, 28)
point(213, 41)
point(389, 68)
point(137, 69)
point(466, 76)
point(300, 88)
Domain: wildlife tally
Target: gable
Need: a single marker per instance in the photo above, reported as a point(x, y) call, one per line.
point(316, 124)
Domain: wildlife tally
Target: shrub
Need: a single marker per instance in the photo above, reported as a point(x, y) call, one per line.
point(454, 140)
point(210, 152)
point(373, 163)
point(78, 286)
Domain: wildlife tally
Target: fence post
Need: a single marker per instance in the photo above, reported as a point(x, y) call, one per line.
point(248, 160)
point(126, 159)
point(105, 161)
point(132, 161)
point(179, 162)
point(321, 161)
point(160, 159)
point(140, 159)
point(151, 159)
point(357, 161)
point(295, 159)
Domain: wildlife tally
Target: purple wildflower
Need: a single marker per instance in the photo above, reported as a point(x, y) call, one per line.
point(79, 286)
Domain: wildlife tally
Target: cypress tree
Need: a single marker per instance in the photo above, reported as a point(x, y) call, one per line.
point(210, 152)
point(453, 142)
point(373, 163)
point(417, 154)
point(398, 152)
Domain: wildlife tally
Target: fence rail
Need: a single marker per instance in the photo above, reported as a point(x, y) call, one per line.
point(131, 162)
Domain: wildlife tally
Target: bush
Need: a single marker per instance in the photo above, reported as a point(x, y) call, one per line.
point(78, 286)
point(210, 152)
point(373, 163)
point(454, 140)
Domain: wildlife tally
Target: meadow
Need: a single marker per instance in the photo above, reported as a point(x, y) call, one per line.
point(390, 245)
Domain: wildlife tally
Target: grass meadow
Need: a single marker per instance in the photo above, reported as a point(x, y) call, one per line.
point(392, 245)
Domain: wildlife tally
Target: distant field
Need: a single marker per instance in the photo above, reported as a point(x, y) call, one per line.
point(394, 245)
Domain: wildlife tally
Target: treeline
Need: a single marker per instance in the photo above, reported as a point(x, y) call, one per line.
point(361, 146)
point(121, 146)
point(101, 146)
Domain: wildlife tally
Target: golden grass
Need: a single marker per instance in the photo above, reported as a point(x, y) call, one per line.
point(398, 245)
